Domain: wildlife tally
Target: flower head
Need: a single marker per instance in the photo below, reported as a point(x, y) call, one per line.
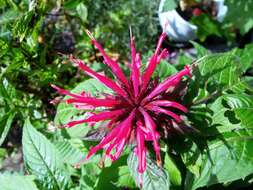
point(136, 108)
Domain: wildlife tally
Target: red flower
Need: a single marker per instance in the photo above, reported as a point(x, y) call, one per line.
point(197, 12)
point(137, 106)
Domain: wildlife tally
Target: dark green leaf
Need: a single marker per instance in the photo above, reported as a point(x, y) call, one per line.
point(224, 161)
point(125, 179)
point(238, 114)
point(90, 176)
point(165, 69)
point(5, 125)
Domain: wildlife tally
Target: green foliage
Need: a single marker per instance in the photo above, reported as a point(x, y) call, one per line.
point(43, 160)
point(244, 21)
point(154, 176)
point(206, 26)
point(5, 125)
point(173, 171)
point(16, 181)
point(227, 159)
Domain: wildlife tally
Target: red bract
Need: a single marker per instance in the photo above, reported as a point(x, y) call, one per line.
point(136, 109)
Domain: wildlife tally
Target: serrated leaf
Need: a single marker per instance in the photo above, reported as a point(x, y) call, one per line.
point(238, 114)
point(224, 161)
point(5, 125)
point(221, 69)
point(42, 159)
point(245, 56)
point(15, 181)
point(153, 178)
point(201, 51)
point(68, 153)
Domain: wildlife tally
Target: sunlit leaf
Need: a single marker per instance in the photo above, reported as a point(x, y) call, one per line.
point(43, 160)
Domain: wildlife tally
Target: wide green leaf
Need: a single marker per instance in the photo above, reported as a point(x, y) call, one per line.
point(232, 112)
point(230, 156)
point(212, 75)
point(222, 70)
point(225, 160)
point(16, 181)
point(43, 160)
point(245, 56)
point(154, 176)
point(69, 154)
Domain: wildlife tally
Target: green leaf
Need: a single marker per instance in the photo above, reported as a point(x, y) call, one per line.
point(124, 178)
point(153, 178)
point(206, 26)
point(68, 153)
point(5, 125)
point(89, 176)
point(66, 113)
point(174, 172)
point(237, 113)
point(21, 27)
point(165, 69)
point(245, 56)
point(232, 119)
point(42, 159)
point(201, 51)
point(15, 181)
point(119, 176)
point(225, 160)
point(219, 70)
point(82, 12)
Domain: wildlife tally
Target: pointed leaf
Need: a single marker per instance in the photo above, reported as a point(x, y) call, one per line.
point(42, 159)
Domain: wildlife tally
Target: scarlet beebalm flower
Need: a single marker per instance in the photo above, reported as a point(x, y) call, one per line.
point(136, 109)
